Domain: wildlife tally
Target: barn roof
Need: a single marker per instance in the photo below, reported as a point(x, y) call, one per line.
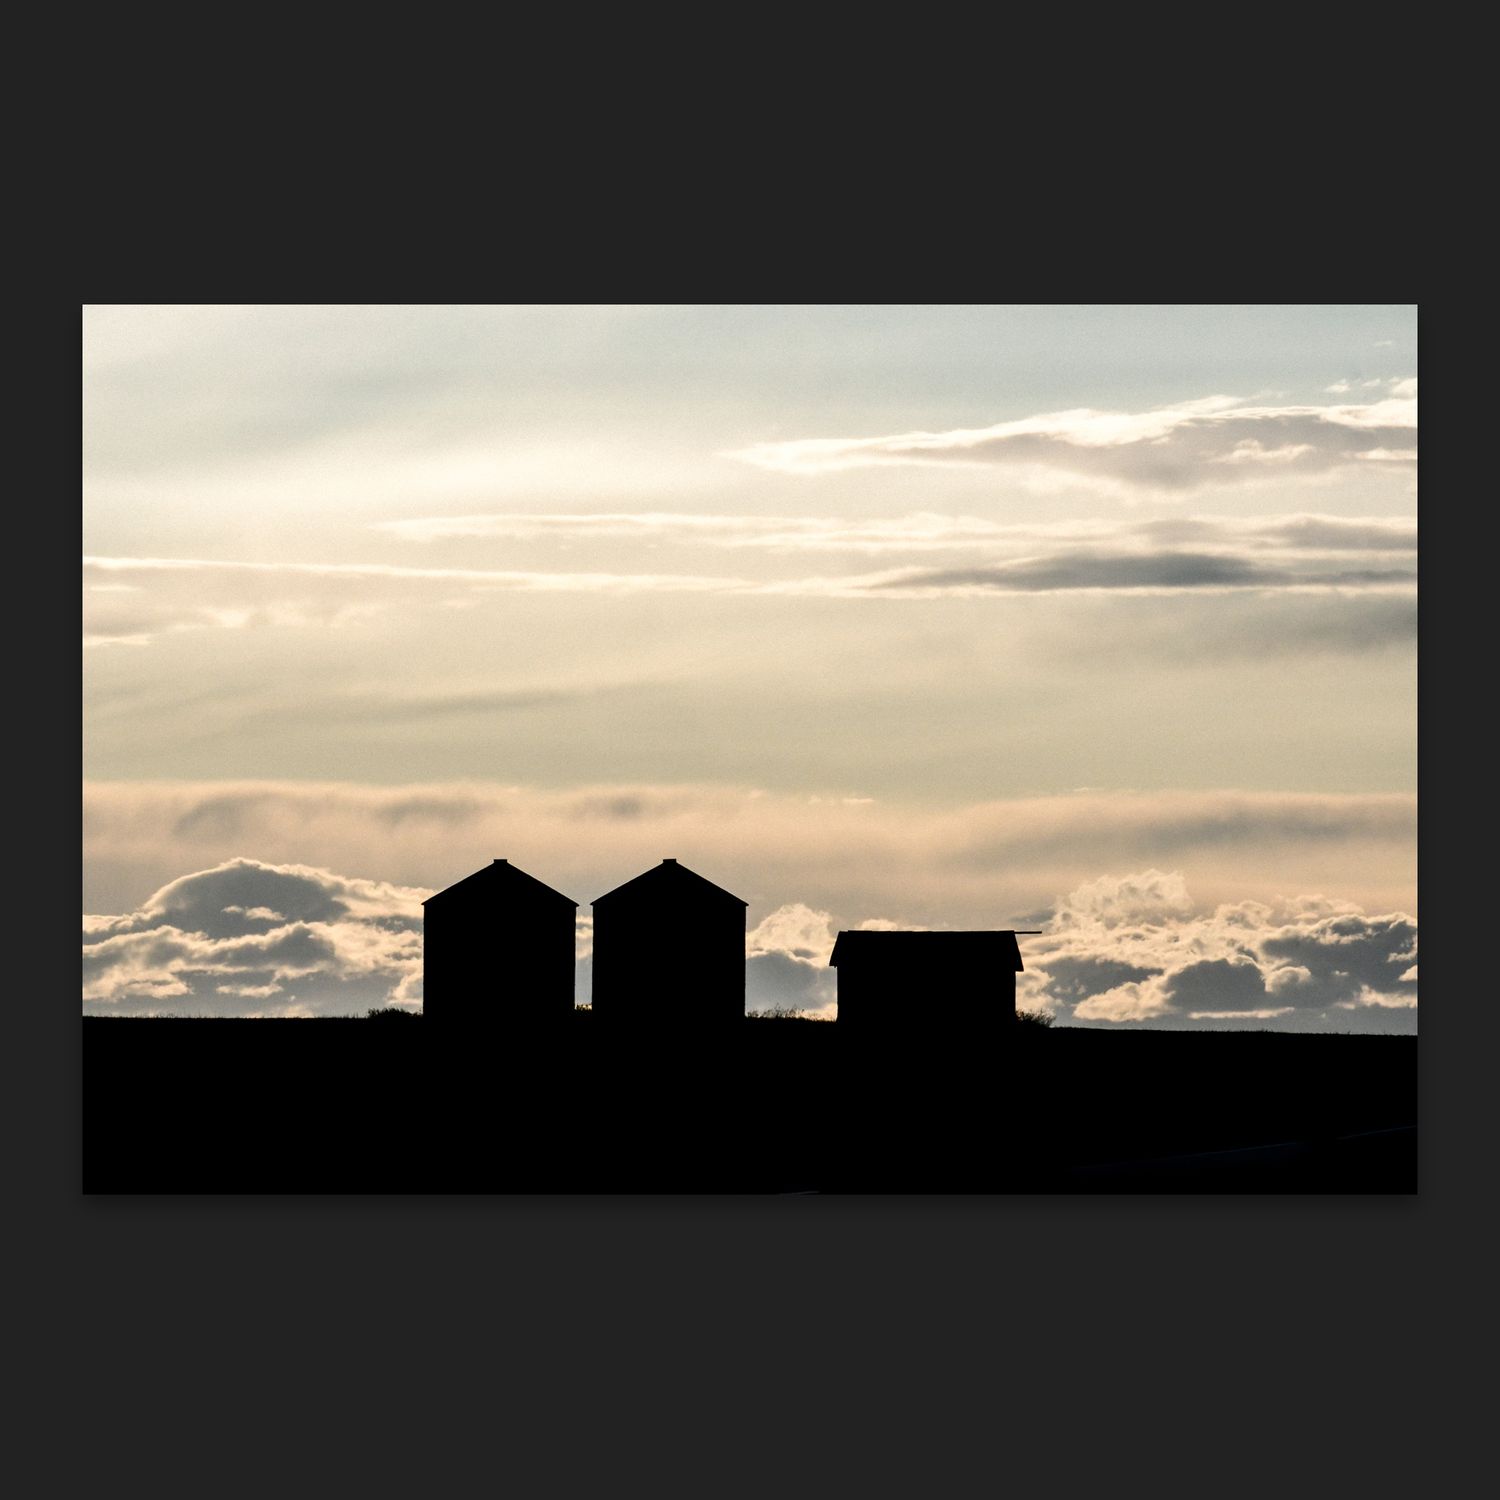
point(670, 881)
point(998, 948)
point(501, 881)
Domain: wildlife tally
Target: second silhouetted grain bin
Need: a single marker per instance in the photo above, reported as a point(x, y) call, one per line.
point(669, 950)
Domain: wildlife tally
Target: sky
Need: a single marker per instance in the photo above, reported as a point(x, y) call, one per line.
point(1095, 620)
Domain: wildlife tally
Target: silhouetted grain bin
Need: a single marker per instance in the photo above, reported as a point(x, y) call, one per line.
point(498, 950)
point(904, 983)
point(669, 950)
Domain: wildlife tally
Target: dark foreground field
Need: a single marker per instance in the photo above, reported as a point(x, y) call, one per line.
point(391, 1106)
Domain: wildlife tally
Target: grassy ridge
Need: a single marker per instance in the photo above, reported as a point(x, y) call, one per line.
point(247, 1105)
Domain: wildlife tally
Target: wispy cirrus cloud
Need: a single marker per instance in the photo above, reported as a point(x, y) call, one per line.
point(919, 531)
point(170, 595)
point(1302, 551)
point(1214, 440)
point(1185, 554)
point(376, 572)
point(1166, 572)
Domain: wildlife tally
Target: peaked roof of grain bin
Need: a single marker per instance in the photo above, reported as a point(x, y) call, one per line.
point(670, 881)
point(501, 881)
point(999, 948)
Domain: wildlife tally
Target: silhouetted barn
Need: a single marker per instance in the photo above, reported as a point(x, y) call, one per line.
point(669, 949)
point(498, 948)
point(899, 983)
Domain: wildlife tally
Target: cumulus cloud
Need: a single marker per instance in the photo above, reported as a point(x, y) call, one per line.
point(1148, 899)
point(1124, 1002)
point(1391, 1000)
point(1136, 949)
point(786, 962)
point(1288, 978)
point(1215, 440)
point(344, 945)
point(263, 907)
point(1081, 978)
point(1216, 984)
point(247, 936)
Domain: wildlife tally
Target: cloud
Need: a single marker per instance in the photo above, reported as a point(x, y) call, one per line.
point(1288, 978)
point(918, 531)
point(1135, 949)
point(1082, 977)
point(1125, 1002)
point(490, 577)
point(807, 870)
point(1168, 823)
point(350, 945)
point(181, 593)
point(1215, 440)
point(786, 963)
point(1161, 572)
point(1177, 555)
point(1384, 1001)
point(1148, 898)
point(777, 981)
point(908, 863)
point(1216, 984)
point(1244, 626)
point(248, 937)
point(1401, 388)
point(1348, 952)
point(796, 930)
point(292, 939)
